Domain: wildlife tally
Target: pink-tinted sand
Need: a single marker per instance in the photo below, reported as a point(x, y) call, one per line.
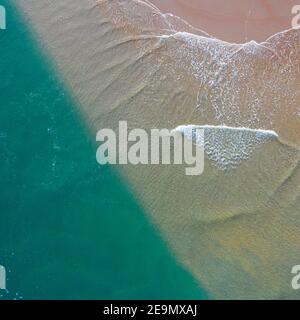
point(234, 20)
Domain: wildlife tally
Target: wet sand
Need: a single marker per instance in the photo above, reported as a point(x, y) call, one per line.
point(236, 230)
point(236, 21)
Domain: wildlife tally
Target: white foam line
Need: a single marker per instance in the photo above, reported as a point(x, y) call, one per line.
point(215, 38)
point(262, 131)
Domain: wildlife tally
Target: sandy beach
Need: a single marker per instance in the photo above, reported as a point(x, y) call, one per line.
point(237, 21)
point(236, 231)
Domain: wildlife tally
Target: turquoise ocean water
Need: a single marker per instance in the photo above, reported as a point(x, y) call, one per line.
point(69, 229)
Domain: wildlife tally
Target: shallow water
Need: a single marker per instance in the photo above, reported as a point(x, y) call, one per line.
point(235, 230)
point(68, 228)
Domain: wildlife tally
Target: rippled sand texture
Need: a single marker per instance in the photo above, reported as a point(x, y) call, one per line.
point(236, 227)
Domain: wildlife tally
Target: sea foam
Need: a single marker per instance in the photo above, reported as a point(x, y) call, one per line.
point(226, 146)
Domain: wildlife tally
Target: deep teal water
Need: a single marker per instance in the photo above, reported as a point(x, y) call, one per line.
point(68, 228)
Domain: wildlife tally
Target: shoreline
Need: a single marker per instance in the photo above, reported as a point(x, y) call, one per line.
point(241, 22)
point(160, 82)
